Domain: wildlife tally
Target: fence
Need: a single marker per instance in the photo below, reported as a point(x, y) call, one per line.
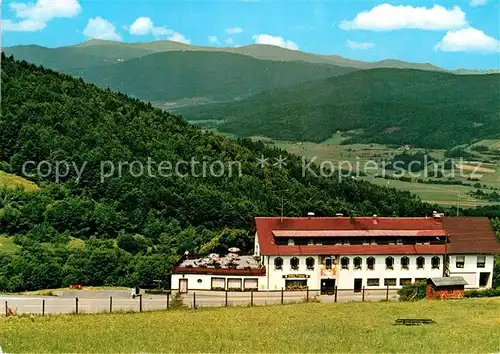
point(193, 299)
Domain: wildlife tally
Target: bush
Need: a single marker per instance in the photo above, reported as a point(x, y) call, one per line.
point(412, 292)
point(482, 293)
point(176, 301)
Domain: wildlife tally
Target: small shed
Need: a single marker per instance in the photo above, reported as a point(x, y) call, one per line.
point(445, 288)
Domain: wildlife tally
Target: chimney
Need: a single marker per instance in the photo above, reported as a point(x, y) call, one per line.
point(339, 215)
point(310, 214)
point(375, 219)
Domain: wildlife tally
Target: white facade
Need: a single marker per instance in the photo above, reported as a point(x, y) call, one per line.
point(472, 269)
point(205, 281)
point(345, 276)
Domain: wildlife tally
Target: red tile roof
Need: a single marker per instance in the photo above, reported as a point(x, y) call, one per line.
point(467, 235)
point(471, 235)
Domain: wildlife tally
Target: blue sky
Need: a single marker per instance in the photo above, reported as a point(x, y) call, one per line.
point(451, 34)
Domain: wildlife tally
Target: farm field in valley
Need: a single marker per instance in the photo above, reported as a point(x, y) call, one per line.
point(470, 325)
point(446, 195)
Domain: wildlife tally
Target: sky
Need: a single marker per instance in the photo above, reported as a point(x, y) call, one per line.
point(450, 34)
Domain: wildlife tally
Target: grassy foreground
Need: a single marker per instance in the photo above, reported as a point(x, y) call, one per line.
point(471, 325)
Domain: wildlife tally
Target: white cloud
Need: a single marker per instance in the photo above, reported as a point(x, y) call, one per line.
point(34, 16)
point(22, 26)
point(468, 40)
point(213, 40)
point(359, 45)
point(229, 41)
point(234, 30)
point(275, 40)
point(99, 28)
point(387, 17)
point(475, 3)
point(144, 25)
point(177, 37)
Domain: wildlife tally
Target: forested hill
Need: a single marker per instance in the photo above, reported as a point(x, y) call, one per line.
point(394, 106)
point(129, 230)
point(169, 76)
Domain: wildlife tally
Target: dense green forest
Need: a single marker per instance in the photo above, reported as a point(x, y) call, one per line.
point(130, 230)
point(391, 106)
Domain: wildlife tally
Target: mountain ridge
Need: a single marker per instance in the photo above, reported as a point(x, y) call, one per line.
point(259, 51)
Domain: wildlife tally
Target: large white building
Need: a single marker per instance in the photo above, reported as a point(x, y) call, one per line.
point(350, 253)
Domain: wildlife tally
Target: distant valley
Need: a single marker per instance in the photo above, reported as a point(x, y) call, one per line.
point(290, 95)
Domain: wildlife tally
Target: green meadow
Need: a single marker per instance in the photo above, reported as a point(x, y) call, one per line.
point(466, 326)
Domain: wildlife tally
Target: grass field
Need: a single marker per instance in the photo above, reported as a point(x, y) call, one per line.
point(8, 180)
point(466, 326)
point(7, 244)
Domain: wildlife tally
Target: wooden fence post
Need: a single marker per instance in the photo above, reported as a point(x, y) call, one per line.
point(363, 296)
point(251, 297)
point(140, 302)
point(387, 293)
point(43, 307)
point(226, 299)
point(194, 300)
point(6, 309)
point(168, 299)
point(307, 294)
point(76, 305)
point(110, 304)
point(336, 290)
point(282, 296)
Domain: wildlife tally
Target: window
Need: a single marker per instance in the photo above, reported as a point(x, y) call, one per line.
point(278, 263)
point(295, 284)
point(420, 280)
point(344, 263)
point(420, 263)
point(481, 261)
point(357, 263)
point(294, 263)
point(370, 263)
point(328, 263)
point(404, 281)
point(310, 263)
point(435, 262)
point(281, 241)
point(460, 262)
point(389, 263)
point(251, 284)
point(390, 281)
point(300, 241)
point(373, 282)
point(405, 263)
point(218, 283)
point(234, 284)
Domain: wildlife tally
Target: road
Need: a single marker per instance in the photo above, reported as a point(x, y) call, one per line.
point(103, 301)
